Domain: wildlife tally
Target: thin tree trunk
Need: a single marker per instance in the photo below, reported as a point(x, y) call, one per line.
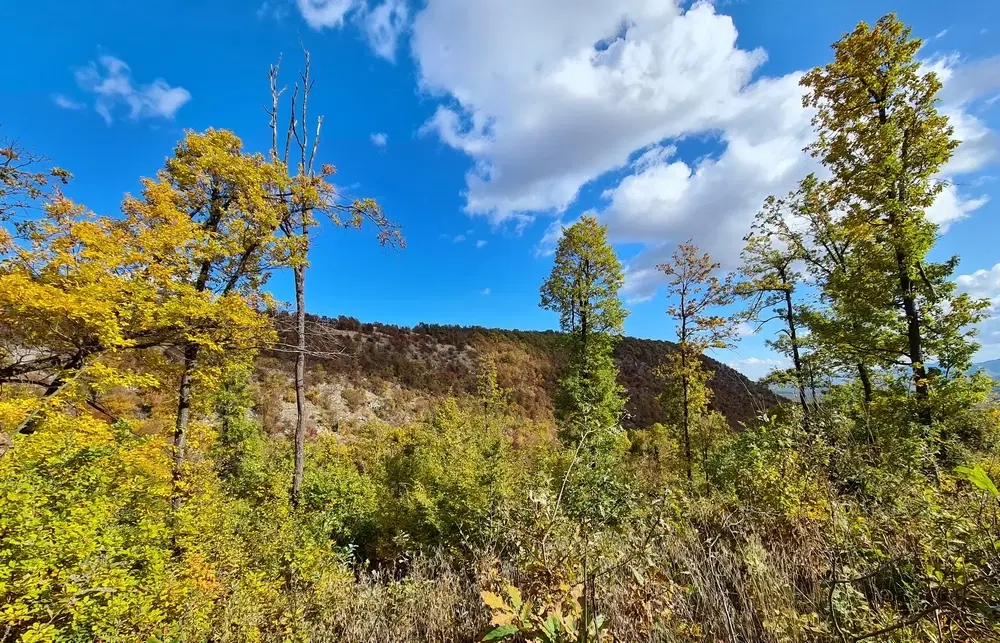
point(300, 382)
point(811, 372)
point(914, 340)
point(800, 379)
point(183, 420)
point(687, 434)
point(191, 351)
point(866, 382)
point(684, 388)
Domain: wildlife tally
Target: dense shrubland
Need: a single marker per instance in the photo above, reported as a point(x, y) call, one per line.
point(143, 498)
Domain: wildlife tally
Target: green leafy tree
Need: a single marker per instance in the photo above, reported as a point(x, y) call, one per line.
point(691, 279)
point(228, 194)
point(583, 288)
point(770, 280)
point(883, 141)
point(853, 308)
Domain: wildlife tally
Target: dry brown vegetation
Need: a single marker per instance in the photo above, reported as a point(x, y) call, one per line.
point(430, 361)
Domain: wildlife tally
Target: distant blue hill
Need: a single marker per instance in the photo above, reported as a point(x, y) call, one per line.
point(991, 368)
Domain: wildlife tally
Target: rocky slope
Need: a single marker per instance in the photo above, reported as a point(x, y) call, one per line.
point(361, 371)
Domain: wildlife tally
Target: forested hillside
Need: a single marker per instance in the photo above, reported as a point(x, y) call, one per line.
point(430, 361)
point(184, 459)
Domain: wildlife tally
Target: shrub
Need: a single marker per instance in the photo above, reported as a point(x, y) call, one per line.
point(355, 398)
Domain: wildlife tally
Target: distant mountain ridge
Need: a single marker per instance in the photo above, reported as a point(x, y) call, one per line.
point(990, 367)
point(435, 360)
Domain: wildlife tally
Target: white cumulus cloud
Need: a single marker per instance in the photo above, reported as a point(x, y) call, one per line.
point(985, 284)
point(757, 367)
point(546, 97)
point(380, 139)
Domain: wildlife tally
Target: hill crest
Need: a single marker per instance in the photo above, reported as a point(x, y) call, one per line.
point(364, 362)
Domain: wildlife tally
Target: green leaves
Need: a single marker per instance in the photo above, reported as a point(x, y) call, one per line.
point(583, 288)
point(500, 633)
point(585, 280)
point(978, 477)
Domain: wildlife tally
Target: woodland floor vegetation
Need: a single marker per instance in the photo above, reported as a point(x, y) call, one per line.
point(152, 490)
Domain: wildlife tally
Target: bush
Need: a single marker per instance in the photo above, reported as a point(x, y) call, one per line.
point(355, 398)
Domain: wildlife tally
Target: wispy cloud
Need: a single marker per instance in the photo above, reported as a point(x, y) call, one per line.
point(325, 13)
point(67, 103)
point(276, 10)
point(382, 24)
point(480, 243)
point(380, 139)
point(485, 292)
point(109, 79)
point(459, 238)
point(757, 367)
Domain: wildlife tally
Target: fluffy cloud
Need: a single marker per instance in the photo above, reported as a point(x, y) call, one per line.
point(713, 201)
point(546, 97)
point(982, 284)
point(757, 367)
point(109, 79)
point(951, 207)
point(966, 82)
point(380, 139)
point(382, 24)
point(985, 284)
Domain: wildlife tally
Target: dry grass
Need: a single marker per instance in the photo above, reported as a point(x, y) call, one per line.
point(683, 587)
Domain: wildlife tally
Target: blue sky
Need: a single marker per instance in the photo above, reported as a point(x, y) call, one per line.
point(482, 126)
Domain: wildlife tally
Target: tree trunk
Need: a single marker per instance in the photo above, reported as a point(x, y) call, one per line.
point(811, 373)
point(300, 382)
point(684, 388)
point(183, 420)
point(191, 351)
point(585, 321)
point(687, 433)
point(800, 379)
point(866, 382)
point(914, 340)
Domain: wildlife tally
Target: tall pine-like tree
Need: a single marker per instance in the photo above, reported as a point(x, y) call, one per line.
point(583, 288)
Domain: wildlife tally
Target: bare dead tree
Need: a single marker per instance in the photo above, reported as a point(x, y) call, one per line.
point(311, 193)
